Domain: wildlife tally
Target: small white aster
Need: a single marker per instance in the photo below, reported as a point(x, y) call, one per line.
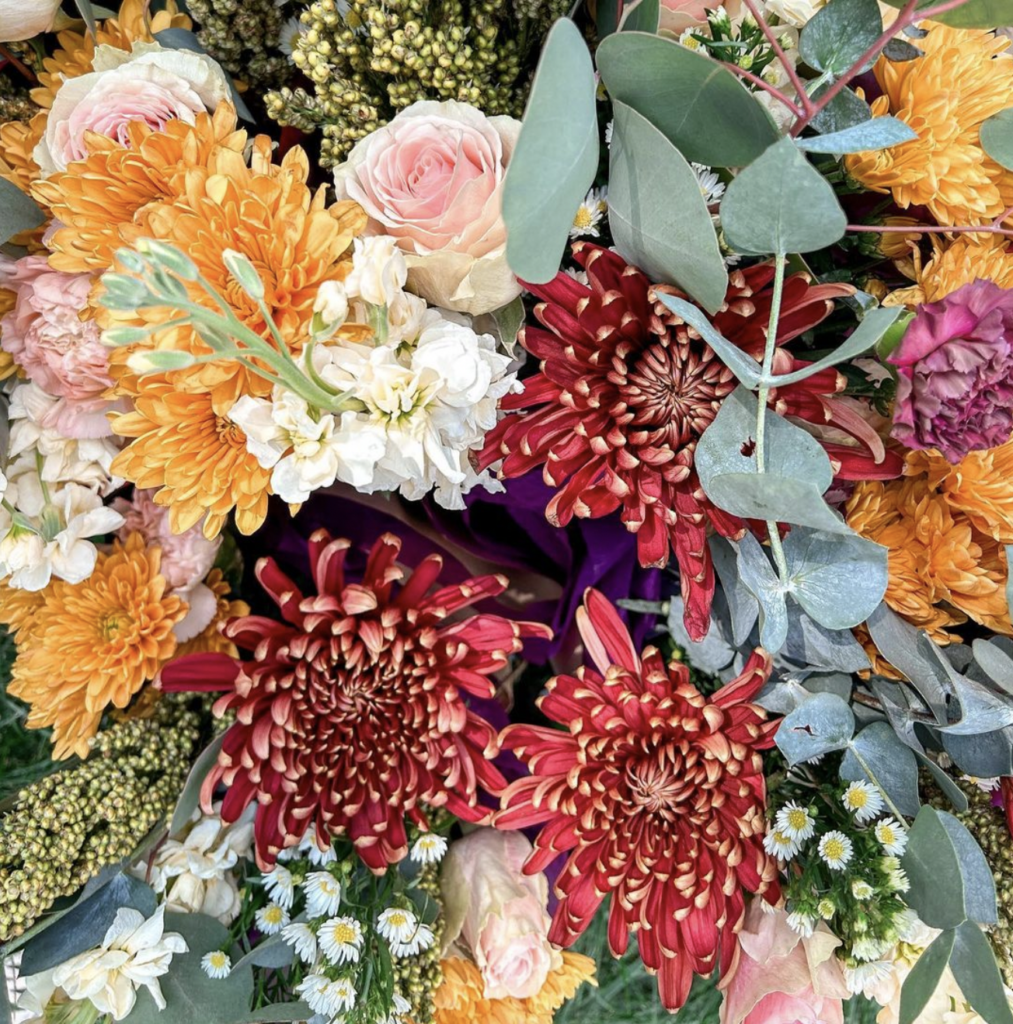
point(396, 924)
point(422, 939)
point(712, 188)
point(608, 132)
point(869, 949)
point(344, 993)
point(985, 785)
point(826, 909)
point(779, 845)
point(401, 1005)
point(795, 822)
point(861, 890)
point(217, 964)
point(289, 36)
point(590, 213)
point(891, 836)
point(280, 886)
point(340, 939)
point(835, 848)
point(429, 848)
point(323, 894)
point(323, 995)
point(865, 978)
point(271, 919)
point(863, 800)
point(300, 936)
point(801, 924)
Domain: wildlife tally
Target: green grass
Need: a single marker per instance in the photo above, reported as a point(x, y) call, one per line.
point(24, 753)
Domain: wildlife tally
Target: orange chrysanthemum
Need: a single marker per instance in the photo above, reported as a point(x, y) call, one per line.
point(213, 640)
point(17, 140)
point(185, 445)
point(90, 645)
point(966, 259)
point(963, 79)
point(460, 997)
point(7, 365)
point(104, 201)
point(944, 527)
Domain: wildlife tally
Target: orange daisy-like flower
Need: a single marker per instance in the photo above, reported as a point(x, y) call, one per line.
point(944, 527)
point(185, 445)
point(90, 645)
point(103, 202)
point(963, 79)
point(460, 998)
point(17, 140)
point(966, 259)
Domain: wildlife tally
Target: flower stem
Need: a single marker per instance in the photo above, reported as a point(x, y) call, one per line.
point(789, 67)
point(766, 86)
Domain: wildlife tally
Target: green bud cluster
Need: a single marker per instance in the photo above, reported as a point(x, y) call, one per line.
point(63, 829)
point(243, 36)
point(377, 57)
point(418, 977)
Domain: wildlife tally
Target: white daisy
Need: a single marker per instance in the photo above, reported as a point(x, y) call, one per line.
point(861, 890)
point(779, 845)
point(340, 939)
point(324, 996)
point(396, 924)
point(985, 785)
point(422, 939)
point(290, 33)
point(300, 936)
point(271, 919)
point(344, 992)
point(590, 213)
point(892, 836)
point(216, 964)
point(795, 822)
point(280, 886)
point(801, 924)
point(835, 848)
point(323, 894)
point(429, 848)
point(866, 978)
point(712, 188)
point(863, 800)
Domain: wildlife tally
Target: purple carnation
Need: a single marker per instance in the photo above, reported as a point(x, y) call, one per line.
point(955, 390)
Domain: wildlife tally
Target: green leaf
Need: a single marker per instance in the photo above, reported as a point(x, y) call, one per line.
point(900, 51)
point(18, 212)
point(698, 105)
point(276, 1013)
point(759, 577)
point(879, 133)
point(973, 14)
point(845, 110)
point(641, 16)
point(556, 157)
point(607, 16)
point(838, 579)
point(891, 762)
point(996, 137)
point(191, 997)
point(950, 879)
point(189, 799)
point(822, 724)
point(273, 951)
point(995, 663)
point(953, 792)
point(974, 967)
point(184, 39)
point(503, 324)
point(923, 978)
point(88, 13)
point(1008, 548)
point(779, 204)
point(838, 34)
point(742, 606)
point(658, 217)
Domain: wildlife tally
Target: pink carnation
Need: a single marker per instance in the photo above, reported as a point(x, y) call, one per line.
point(45, 334)
point(955, 365)
point(782, 978)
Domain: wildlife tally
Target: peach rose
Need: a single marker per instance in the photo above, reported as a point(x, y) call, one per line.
point(676, 16)
point(496, 915)
point(150, 84)
point(433, 180)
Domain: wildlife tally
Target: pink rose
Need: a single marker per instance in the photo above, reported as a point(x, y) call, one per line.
point(782, 978)
point(150, 84)
point(678, 15)
point(496, 915)
point(433, 180)
point(60, 351)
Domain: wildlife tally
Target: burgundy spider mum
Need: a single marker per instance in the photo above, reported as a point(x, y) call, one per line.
point(625, 391)
point(352, 711)
point(658, 796)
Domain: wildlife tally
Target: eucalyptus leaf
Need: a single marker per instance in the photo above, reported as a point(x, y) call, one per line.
point(823, 723)
point(184, 39)
point(276, 1013)
point(879, 133)
point(18, 212)
point(898, 703)
point(743, 608)
point(189, 799)
point(273, 951)
point(88, 13)
point(762, 581)
point(713, 652)
point(698, 105)
point(658, 217)
point(953, 792)
point(1008, 549)
point(996, 137)
point(975, 970)
point(555, 159)
point(607, 16)
point(973, 14)
point(780, 204)
point(808, 643)
point(995, 662)
point(838, 34)
point(900, 51)
point(986, 756)
point(892, 765)
point(641, 16)
point(923, 979)
point(838, 579)
point(845, 110)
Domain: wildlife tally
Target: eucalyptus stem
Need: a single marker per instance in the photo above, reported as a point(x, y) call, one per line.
point(864, 765)
point(762, 393)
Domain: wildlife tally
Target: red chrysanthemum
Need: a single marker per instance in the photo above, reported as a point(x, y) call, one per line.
point(625, 391)
point(352, 711)
point(657, 794)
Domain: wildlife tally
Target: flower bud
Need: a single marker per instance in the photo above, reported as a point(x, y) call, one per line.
point(245, 274)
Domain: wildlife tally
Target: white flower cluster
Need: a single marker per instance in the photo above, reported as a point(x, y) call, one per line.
point(418, 397)
point(52, 495)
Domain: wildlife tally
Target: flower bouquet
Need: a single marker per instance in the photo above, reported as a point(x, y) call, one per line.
point(503, 501)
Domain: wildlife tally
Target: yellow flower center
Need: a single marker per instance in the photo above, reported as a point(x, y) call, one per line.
point(781, 839)
point(887, 835)
point(583, 218)
point(834, 849)
point(797, 818)
point(274, 914)
point(397, 919)
point(344, 933)
point(857, 799)
point(217, 959)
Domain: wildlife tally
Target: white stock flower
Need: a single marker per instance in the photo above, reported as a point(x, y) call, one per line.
point(794, 12)
point(331, 302)
point(379, 271)
point(134, 952)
